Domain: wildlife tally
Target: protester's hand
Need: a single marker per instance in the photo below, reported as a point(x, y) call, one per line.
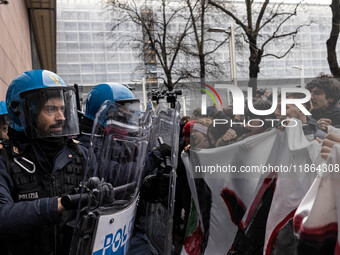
point(324, 123)
point(283, 127)
point(229, 135)
point(328, 143)
point(187, 148)
point(319, 140)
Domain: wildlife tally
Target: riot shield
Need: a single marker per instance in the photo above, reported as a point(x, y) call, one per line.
point(109, 192)
point(157, 222)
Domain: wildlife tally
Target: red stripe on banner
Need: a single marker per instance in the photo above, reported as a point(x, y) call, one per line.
point(192, 244)
point(318, 234)
point(277, 229)
point(266, 183)
point(211, 88)
point(239, 202)
point(337, 248)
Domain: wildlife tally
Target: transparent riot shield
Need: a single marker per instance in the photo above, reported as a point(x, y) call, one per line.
point(109, 192)
point(158, 219)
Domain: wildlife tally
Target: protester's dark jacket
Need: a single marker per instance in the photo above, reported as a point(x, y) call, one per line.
point(28, 201)
point(311, 128)
point(331, 112)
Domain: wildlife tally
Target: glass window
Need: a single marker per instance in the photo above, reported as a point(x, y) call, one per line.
point(71, 47)
point(72, 57)
point(86, 57)
point(99, 57)
point(112, 57)
point(98, 46)
point(98, 36)
point(113, 77)
point(289, 63)
point(87, 68)
point(125, 67)
point(61, 57)
point(314, 28)
point(100, 68)
point(316, 54)
point(88, 79)
point(85, 36)
point(113, 68)
point(70, 26)
point(125, 77)
point(317, 63)
point(111, 26)
point(60, 36)
point(95, 14)
point(71, 36)
point(73, 69)
point(85, 46)
point(306, 54)
point(61, 46)
point(60, 25)
point(124, 27)
point(83, 15)
point(74, 78)
point(125, 57)
point(97, 26)
point(101, 78)
point(67, 15)
point(84, 26)
point(62, 69)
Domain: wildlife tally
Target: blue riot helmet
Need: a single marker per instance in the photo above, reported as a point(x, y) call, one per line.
point(4, 120)
point(40, 104)
point(125, 102)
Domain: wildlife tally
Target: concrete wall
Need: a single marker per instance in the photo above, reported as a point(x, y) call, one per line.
point(15, 44)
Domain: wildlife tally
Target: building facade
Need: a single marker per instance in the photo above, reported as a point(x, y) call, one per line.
point(27, 38)
point(88, 51)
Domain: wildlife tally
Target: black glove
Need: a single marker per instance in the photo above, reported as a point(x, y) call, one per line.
point(162, 151)
point(103, 191)
point(155, 189)
point(94, 192)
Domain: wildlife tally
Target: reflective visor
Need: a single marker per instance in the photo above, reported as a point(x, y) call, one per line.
point(50, 112)
point(126, 112)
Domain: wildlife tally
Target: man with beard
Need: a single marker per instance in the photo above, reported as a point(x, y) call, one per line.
point(39, 164)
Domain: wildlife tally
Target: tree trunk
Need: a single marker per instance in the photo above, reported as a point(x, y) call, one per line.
point(254, 63)
point(202, 66)
point(332, 41)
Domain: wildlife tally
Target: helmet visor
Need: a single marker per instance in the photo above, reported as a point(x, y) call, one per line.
point(50, 112)
point(127, 111)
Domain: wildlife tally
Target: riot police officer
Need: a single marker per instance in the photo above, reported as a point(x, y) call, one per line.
point(4, 121)
point(39, 164)
point(98, 95)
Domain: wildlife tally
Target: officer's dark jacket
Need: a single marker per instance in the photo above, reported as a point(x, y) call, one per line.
point(29, 221)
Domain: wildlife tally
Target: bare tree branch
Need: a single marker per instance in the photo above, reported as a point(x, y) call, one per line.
point(259, 18)
point(237, 20)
